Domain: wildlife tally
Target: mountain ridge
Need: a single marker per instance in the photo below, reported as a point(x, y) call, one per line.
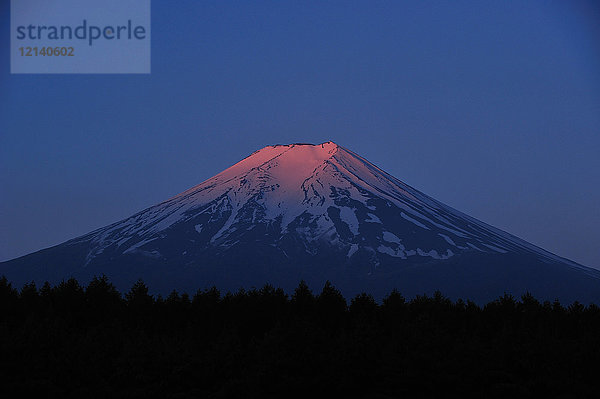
point(300, 205)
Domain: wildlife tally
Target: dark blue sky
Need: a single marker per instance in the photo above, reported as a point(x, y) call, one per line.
point(490, 107)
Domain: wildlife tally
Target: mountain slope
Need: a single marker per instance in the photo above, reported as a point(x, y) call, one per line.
point(315, 212)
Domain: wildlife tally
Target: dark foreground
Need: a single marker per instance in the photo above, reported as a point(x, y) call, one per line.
point(73, 341)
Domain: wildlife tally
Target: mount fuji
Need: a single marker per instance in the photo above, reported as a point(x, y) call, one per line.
point(313, 212)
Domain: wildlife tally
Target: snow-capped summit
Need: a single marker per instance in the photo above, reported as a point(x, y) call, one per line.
point(316, 212)
point(322, 193)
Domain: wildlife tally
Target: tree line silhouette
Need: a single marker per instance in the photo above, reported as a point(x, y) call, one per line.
point(74, 341)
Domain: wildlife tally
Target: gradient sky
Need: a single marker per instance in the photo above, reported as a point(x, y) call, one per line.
point(490, 107)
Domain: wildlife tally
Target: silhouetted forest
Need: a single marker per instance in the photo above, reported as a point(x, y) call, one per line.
point(86, 342)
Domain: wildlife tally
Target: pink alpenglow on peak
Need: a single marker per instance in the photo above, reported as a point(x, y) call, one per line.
point(296, 177)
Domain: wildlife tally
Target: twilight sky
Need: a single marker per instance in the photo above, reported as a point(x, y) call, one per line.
point(490, 107)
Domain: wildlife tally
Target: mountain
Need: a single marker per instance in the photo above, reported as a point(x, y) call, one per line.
point(313, 212)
